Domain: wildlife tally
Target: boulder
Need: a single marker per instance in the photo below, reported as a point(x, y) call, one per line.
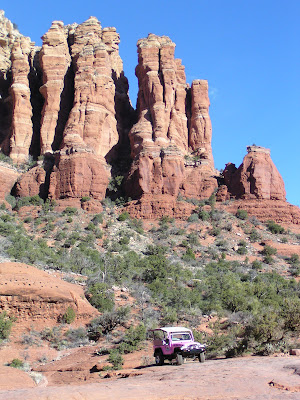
point(32, 183)
point(8, 177)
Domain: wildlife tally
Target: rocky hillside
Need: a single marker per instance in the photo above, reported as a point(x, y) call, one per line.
point(66, 116)
point(72, 278)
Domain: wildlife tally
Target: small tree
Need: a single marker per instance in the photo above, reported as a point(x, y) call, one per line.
point(242, 214)
point(5, 325)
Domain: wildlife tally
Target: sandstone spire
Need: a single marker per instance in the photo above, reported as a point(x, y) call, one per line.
point(173, 124)
point(22, 128)
point(55, 60)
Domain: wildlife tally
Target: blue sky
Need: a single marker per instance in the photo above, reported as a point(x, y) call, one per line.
point(248, 50)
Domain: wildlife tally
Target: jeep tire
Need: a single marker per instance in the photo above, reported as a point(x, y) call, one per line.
point(159, 358)
point(179, 359)
point(202, 357)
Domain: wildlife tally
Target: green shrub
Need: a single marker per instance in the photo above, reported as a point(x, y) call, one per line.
point(294, 259)
point(193, 238)
point(137, 225)
point(133, 339)
point(29, 200)
point(124, 240)
point(254, 236)
point(256, 264)
point(70, 211)
point(85, 199)
point(242, 214)
point(11, 200)
point(203, 215)
point(116, 359)
point(123, 216)
point(69, 316)
point(193, 218)
point(5, 325)
point(16, 363)
point(107, 322)
point(268, 251)
point(77, 337)
point(6, 159)
point(90, 227)
point(242, 250)
point(100, 297)
point(215, 231)
point(189, 255)
point(98, 219)
point(274, 228)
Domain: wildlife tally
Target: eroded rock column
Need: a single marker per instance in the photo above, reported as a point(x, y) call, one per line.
point(21, 130)
point(169, 129)
point(55, 60)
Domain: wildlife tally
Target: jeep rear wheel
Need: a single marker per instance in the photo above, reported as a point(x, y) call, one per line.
point(179, 359)
point(159, 358)
point(201, 357)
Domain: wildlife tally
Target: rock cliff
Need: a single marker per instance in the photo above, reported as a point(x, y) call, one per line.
point(67, 103)
point(171, 142)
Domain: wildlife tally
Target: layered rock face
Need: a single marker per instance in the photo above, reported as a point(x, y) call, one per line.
point(83, 116)
point(68, 101)
point(256, 178)
point(8, 35)
point(173, 125)
point(91, 133)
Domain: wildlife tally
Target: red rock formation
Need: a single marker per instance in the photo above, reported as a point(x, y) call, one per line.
point(222, 193)
point(8, 35)
point(32, 183)
point(256, 178)
point(78, 175)
point(92, 131)
point(200, 131)
point(277, 210)
point(92, 125)
point(155, 207)
point(21, 134)
point(160, 139)
point(34, 295)
point(55, 60)
point(8, 177)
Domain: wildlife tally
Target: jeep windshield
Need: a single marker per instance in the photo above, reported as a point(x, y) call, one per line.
point(180, 336)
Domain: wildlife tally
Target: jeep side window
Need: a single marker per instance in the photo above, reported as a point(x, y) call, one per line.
point(159, 335)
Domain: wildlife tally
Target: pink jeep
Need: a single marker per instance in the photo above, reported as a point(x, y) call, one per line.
point(178, 343)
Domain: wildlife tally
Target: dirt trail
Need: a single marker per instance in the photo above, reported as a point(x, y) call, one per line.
point(244, 378)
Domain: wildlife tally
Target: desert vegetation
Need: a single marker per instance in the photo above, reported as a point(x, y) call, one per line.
point(215, 272)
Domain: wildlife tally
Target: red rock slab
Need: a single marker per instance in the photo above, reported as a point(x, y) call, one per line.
point(14, 378)
point(242, 378)
point(34, 295)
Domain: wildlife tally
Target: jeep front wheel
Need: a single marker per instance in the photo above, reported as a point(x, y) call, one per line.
point(201, 357)
point(179, 359)
point(159, 358)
